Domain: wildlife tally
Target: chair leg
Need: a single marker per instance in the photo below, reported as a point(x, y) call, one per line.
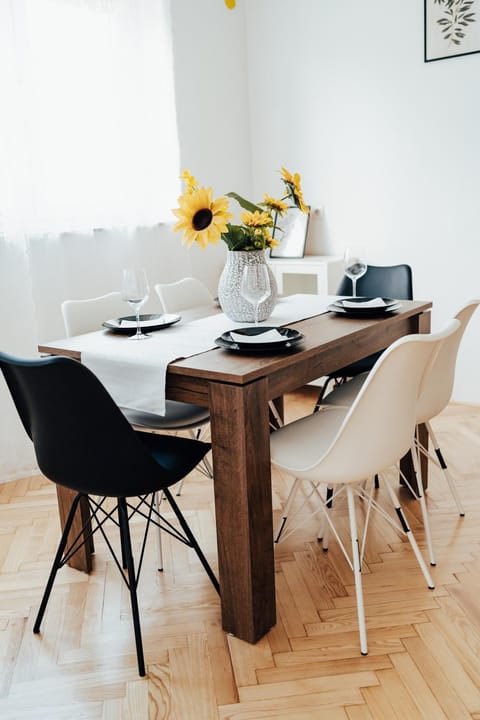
point(276, 416)
point(357, 571)
point(286, 508)
point(132, 584)
point(446, 472)
point(423, 506)
point(192, 540)
point(122, 547)
point(324, 532)
point(411, 538)
point(57, 563)
point(204, 464)
point(322, 392)
point(159, 535)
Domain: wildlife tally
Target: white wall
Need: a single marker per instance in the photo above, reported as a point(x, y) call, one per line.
point(387, 145)
point(212, 107)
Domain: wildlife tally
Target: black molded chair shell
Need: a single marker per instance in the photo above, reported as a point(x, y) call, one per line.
point(393, 281)
point(97, 453)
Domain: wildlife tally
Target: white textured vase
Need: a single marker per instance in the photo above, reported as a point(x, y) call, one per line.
point(231, 301)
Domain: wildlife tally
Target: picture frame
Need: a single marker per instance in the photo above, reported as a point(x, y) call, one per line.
point(294, 236)
point(451, 28)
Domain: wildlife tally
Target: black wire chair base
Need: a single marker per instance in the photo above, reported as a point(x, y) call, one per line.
point(125, 510)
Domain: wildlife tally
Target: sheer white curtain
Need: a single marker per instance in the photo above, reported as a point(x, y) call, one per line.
point(88, 140)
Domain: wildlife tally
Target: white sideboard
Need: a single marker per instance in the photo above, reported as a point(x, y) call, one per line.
point(317, 274)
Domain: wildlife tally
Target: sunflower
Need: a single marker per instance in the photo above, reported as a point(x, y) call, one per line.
point(256, 219)
point(189, 180)
point(274, 205)
point(293, 183)
point(201, 219)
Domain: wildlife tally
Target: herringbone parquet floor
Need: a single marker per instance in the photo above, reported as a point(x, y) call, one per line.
point(424, 645)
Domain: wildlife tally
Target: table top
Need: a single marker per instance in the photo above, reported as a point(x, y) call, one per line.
point(328, 333)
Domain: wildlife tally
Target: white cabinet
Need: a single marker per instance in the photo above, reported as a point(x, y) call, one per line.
point(317, 274)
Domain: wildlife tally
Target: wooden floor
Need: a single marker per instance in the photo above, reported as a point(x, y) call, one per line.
point(424, 645)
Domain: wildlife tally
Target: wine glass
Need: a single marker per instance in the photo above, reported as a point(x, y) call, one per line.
point(135, 292)
point(255, 286)
point(355, 265)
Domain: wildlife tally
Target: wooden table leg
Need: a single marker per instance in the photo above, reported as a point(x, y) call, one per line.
point(82, 560)
point(243, 507)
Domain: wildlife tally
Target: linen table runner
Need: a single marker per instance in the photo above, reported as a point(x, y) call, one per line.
point(134, 372)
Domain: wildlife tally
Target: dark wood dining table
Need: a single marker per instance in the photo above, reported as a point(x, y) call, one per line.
point(237, 388)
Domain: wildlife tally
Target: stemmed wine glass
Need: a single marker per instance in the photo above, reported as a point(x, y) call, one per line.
point(135, 292)
point(355, 265)
point(255, 286)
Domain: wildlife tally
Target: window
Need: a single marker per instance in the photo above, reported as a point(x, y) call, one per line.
point(87, 128)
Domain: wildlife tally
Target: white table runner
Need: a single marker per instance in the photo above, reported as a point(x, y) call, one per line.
point(134, 372)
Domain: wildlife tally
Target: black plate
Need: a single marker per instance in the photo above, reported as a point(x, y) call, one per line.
point(360, 304)
point(290, 338)
point(128, 324)
point(391, 306)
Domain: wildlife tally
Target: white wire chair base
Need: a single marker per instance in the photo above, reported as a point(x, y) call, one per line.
point(363, 491)
point(439, 461)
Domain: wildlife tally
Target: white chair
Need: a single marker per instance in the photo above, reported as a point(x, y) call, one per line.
point(183, 295)
point(82, 316)
point(342, 447)
point(436, 393)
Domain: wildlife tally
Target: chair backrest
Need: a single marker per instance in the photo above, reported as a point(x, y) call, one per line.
point(83, 316)
point(95, 452)
point(394, 281)
point(183, 294)
point(379, 427)
point(438, 386)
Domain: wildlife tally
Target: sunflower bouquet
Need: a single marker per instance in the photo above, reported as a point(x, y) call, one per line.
point(204, 220)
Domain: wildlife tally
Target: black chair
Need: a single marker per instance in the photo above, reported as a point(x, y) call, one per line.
point(99, 454)
point(393, 281)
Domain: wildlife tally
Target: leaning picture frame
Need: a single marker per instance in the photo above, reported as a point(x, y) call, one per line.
point(452, 28)
point(292, 238)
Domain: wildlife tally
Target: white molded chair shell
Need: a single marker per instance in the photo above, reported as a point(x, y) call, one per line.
point(183, 294)
point(438, 387)
point(345, 445)
point(83, 316)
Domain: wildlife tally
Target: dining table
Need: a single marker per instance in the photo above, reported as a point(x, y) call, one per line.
point(236, 387)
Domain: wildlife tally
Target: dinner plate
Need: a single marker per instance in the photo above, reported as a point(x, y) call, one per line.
point(390, 306)
point(364, 304)
point(289, 339)
point(147, 322)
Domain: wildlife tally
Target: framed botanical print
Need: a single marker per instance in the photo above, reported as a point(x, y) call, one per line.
point(452, 28)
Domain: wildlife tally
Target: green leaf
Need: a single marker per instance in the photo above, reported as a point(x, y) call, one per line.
point(245, 204)
point(234, 237)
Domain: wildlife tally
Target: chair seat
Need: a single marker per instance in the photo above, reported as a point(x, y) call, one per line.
point(178, 416)
point(298, 446)
point(177, 455)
